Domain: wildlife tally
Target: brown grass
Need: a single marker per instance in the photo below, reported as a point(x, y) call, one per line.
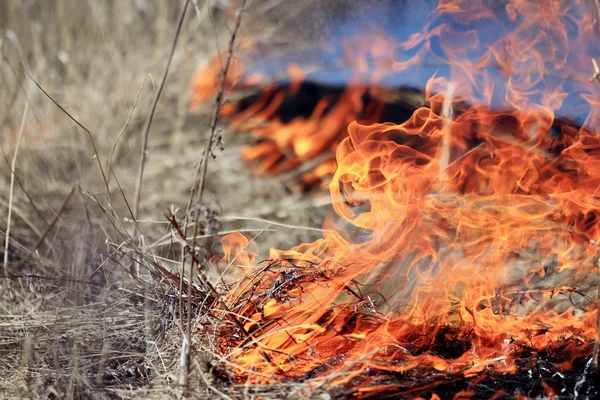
point(76, 318)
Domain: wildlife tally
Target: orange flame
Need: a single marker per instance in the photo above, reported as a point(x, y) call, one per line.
point(286, 144)
point(475, 224)
point(237, 251)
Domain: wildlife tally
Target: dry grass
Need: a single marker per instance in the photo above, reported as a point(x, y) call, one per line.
point(76, 319)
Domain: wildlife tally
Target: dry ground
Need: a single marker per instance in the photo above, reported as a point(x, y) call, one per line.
point(74, 321)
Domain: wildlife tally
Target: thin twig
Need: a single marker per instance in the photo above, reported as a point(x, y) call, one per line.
point(214, 26)
point(49, 278)
point(15, 41)
point(61, 209)
point(443, 172)
point(243, 249)
point(12, 184)
point(202, 168)
point(275, 223)
point(96, 155)
point(207, 383)
point(114, 148)
point(35, 208)
point(200, 182)
point(124, 197)
point(140, 175)
point(217, 296)
point(219, 99)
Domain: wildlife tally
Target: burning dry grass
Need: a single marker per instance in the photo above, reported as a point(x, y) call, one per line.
point(91, 303)
point(456, 200)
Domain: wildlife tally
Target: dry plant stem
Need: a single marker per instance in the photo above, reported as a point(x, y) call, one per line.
point(114, 148)
point(140, 175)
point(238, 323)
point(161, 270)
point(50, 278)
point(123, 195)
point(238, 253)
point(270, 222)
point(207, 383)
point(61, 209)
point(200, 182)
point(96, 155)
point(35, 208)
point(12, 185)
point(203, 167)
point(219, 99)
point(171, 217)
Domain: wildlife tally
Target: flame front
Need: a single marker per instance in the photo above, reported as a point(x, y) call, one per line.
point(475, 222)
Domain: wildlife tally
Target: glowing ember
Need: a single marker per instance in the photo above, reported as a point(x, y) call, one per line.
point(475, 219)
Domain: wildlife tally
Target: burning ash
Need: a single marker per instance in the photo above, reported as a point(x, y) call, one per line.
point(474, 220)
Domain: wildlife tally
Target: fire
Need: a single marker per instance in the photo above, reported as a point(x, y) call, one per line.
point(476, 221)
point(283, 142)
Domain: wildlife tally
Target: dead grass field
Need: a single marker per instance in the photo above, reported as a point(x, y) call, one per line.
point(77, 320)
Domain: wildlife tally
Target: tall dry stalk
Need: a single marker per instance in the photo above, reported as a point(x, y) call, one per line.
point(11, 192)
point(199, 184)
point(148, 125)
